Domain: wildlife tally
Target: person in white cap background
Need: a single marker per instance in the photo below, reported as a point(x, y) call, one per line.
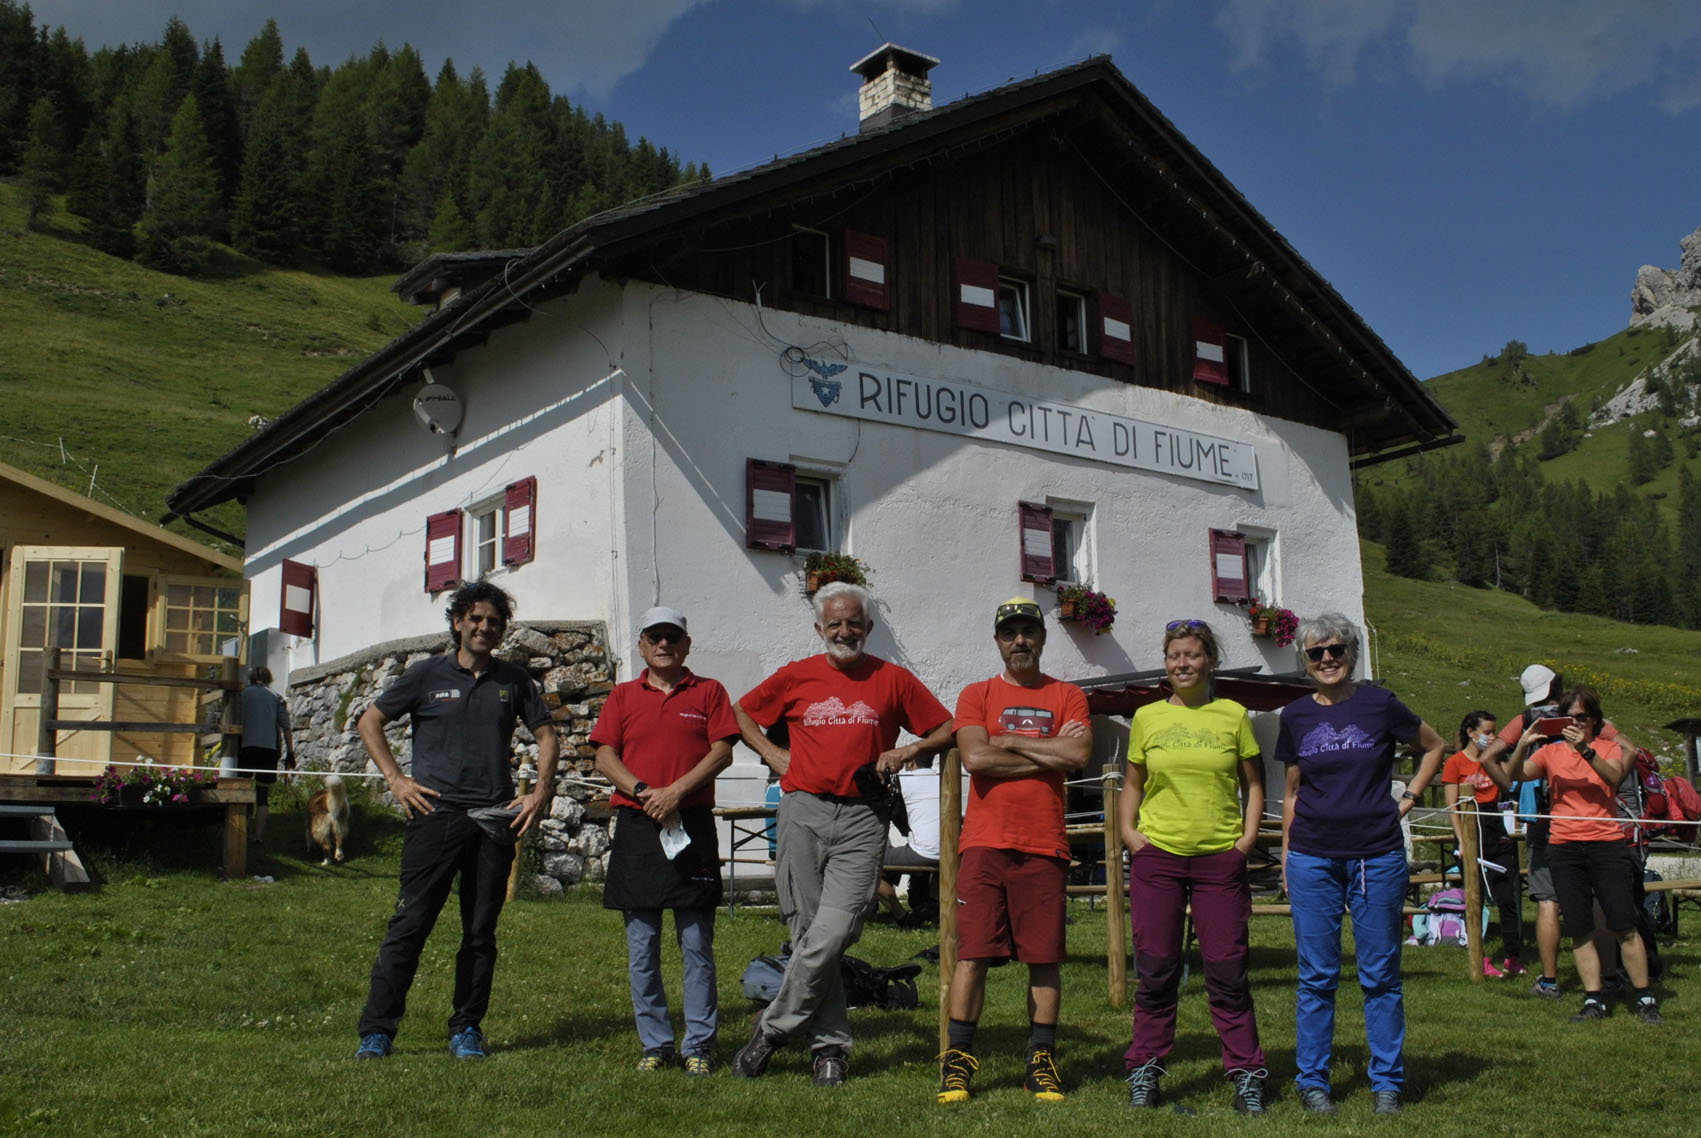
point(1542, 688)
point(661, 739)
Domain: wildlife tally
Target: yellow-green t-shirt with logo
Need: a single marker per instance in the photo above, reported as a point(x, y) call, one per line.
point(1192, 758)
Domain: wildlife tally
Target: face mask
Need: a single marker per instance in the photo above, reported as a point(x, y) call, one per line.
point(1484, 740)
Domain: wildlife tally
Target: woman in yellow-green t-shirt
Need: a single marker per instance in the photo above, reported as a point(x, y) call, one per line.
point(1189, 817)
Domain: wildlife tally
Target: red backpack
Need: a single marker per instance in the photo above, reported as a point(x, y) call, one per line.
point(1683, 807)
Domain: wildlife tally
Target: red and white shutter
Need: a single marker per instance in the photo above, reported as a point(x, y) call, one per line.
point(865, 270)
point(1228, 567)
point(768, 504)
point(1113, 325)
point(442, 551)
point(519, 522)
point(1038, 564)
point(975, 302)
point(295, 602)
point(1210, 362)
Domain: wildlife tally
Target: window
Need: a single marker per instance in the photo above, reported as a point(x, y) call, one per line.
point(1069, 547)
point(812, 513)
point(1056, 541)
point(1071, 322)
point(1237, 361)
point(1243, 565)
point(483, 524)
point(811, 262)
point(200, 617)
point(1013, 309)
point(1261, 563)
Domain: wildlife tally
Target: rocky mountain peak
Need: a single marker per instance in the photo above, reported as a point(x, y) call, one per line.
point(1667, 297)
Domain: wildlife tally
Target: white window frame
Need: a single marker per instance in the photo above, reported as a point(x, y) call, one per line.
point(829, 291)
point(1022, 325)
point(1071, 541)
point(1237, 361)
point(1263, 579)
point(1069, 300)
point(824, 486)
point(495, 509)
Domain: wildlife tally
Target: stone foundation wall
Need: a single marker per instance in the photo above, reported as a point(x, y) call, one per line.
point(569, 660)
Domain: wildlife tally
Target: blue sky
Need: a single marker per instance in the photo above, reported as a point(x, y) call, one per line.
point(1464, 172)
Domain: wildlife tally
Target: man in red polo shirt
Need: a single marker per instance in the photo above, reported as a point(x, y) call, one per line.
point(1021, 733)
point(843, 709)
point(661, 739)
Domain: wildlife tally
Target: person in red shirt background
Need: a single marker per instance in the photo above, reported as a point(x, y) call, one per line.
point(843, 710)
point(1495, 847)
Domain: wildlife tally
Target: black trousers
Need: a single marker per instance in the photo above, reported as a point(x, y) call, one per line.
point(437, 848)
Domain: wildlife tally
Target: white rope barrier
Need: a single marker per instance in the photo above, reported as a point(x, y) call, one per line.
point(600, 784)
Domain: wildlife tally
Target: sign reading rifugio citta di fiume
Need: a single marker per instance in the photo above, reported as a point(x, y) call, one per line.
point(1014, 420)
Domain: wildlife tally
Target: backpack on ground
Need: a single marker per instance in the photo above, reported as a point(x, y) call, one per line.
point(891, 989)
point(1443, 922)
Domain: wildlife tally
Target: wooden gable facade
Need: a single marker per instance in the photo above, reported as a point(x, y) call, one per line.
point(111, 593)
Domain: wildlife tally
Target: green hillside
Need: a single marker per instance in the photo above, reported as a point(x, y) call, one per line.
point(146, 377)
point(1447, 649)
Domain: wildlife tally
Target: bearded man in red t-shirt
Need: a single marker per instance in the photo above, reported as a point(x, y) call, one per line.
point(1020, 733)
point(843, 710)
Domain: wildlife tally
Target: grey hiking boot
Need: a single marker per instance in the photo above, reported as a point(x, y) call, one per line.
point(1591, 1009)
point(1316, 1100)
point(1387, 1102)
point(1248, 1090)
point(753, 1058)
point(1143, 1084)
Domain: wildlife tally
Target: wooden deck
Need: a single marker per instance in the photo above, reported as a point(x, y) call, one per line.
point(236, 795)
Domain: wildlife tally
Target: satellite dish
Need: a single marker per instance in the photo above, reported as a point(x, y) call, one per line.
point(438, 409)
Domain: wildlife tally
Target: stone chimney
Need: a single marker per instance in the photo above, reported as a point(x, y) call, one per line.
point(894, 84)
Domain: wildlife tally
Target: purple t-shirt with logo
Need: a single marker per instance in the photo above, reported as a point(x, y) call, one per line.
point(1345, 753)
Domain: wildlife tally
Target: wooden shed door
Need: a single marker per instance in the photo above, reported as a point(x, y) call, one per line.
point(64, 597)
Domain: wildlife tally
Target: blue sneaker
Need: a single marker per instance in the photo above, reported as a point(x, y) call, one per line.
point(467, 1043)
point(373, 1045)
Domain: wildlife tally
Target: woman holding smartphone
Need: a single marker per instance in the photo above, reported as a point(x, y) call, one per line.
point(1589, 855)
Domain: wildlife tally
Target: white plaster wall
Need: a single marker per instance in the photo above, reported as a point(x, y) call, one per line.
point(934, 514)
point(539, 400)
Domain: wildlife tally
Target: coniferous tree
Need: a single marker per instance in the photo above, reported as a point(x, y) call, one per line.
point(350, 221)
point(262, 61)
point(508, 179)
point(183, 199)
point(265, 219)
point(18, 64)
point(217, 105)
point(107, 182)
point(1686, 560)
point(40, 171)
point(433, 185)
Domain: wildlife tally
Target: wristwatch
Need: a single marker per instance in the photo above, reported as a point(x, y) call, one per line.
point(1589, 755)
point(1409, 796)
point(639, 787)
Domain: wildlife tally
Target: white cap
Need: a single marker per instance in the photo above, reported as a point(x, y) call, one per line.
point(662, 614)
point(1536, 681)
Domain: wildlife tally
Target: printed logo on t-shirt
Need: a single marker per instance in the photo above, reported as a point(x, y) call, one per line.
point(692, 715)
point(1035, 721)
point(1183, 737)
point(1327, 737)
point(834, 713)
point(444, 696)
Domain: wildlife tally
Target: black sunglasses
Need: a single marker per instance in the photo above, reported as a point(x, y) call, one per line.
point(1189, 625)
point(1333, 651)
point(664, 636)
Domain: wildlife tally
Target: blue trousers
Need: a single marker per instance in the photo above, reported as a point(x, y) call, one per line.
point(1373, 889)
point(695, 931)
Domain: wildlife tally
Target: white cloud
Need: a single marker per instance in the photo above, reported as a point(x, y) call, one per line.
point(1557, 53)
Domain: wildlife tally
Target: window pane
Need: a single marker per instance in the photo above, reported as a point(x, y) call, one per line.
point(29, 672)
point(90, 621)
point(1012, 320)
point(809, 514)
point(35, 582)
point(64, 585)
point(32, 631)
point(1071, 326)
point(94, 584)
point(176, 642)
point(64, 626)
point(177, 596)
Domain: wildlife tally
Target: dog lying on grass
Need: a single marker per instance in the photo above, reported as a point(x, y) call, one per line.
point(327, 819)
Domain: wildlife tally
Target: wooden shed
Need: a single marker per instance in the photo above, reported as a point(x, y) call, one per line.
point(112, 593)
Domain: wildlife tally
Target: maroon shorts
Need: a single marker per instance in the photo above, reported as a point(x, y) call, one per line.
point(1011, 903)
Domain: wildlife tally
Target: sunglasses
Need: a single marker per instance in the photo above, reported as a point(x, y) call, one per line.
point(1333, 651)
point(1189, 625)
point(665, 636)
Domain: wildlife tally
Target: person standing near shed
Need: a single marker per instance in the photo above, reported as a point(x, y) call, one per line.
point(661, 739)
point(1021, 734)
point(843, 709)
point(265, 735)
point(464, 817)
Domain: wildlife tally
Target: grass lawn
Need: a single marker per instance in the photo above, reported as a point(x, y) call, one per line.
point(168, 1002)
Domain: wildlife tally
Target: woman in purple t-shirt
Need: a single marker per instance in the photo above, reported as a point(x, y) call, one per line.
point(1342, 849)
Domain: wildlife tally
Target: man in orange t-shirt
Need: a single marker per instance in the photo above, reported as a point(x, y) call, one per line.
point(1020, 734)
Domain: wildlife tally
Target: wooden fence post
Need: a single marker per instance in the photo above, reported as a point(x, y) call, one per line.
point(1468, 866)
point(950, 831)
point(519, 852)
point(1115, 915)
